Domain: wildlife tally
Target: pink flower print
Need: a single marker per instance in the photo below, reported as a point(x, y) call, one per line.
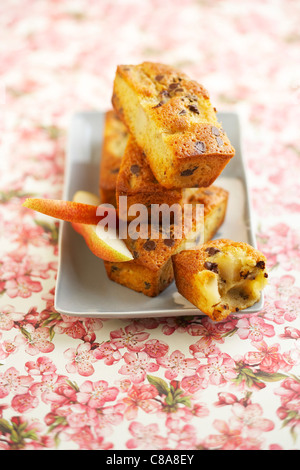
point(23, 403)
point(7, 348)
point(176, 364)
point(290, 307)
point(109, 352)
point(268, 358)
point(254, 328)
point(109, 417)
point(137, 365)
point(194, 383)
point(80, 416)
point(85, 439)
point(145, 437)
point(72, 328)
point(155, 348)
point(284, 286)
point(42, 366)
point(273, 313)
point(81, 360)
point(172, 324)
point(37, 339)
point(141, 396)
point(290, 333)
point(8, 317)
point(11, 381)
point(48, 388)
point(251, 417)
point(289, 393)
point(218, 370)
point(202, 349)
point(226, 399)
point(184, 437)
point(22, 286)
point(96, 394)
point(91, 325)
point(229, 438)
point(130, 337)
point(26, 234)
point(208, 330)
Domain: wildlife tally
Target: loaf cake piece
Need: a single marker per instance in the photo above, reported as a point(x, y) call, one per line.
point(115, 137)
point(173, 121)
point(220, 277)
point(137, 182)
point(151, 271)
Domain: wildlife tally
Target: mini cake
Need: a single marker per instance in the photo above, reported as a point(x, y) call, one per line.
point(115, 138)
point(220, 277)
point(137, 182)
point(151, 271)
point(173, 121)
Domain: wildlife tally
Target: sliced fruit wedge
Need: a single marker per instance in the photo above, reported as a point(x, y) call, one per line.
point(71, 211)
point(102, 241)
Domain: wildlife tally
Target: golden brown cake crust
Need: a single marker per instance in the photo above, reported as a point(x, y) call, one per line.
point(198, 271)
point(115, 138)
point(137, 182)
point(194, 148)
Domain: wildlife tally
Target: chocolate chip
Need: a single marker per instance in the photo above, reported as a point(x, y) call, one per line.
point(200, 146)
point(211, 266)
point(266, 275)
point(219, 141)
point(135, 170)
point(237, 309)
point(188, 172)
point(183, 111)
point(260, 265)
point(172, 86)
point(179, 89)
point(150, 245)
point(159, 77)
point(114, 269)
point(165, 93)
point(135, 254)
point(158, 105)
point(212, 251)
point(215, 130)
point(244, 275)
point(115, 170)
point(169, 242)
point(194, 109)
point(147, 285)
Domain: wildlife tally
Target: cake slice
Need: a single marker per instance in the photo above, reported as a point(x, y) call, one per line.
point(151, 271)
point(137, 182)
point(173, 121)
point(220, 277)
point(115, 138)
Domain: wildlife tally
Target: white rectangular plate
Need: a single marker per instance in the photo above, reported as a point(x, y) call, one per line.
point(82, 285)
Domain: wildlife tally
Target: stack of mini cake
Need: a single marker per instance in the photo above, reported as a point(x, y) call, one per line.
point(162, 144)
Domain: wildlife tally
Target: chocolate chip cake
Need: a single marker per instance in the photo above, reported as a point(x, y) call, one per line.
point(220, 277)
point(137, 182)
point(173, 121)
point(115, 138)
point(151, 271)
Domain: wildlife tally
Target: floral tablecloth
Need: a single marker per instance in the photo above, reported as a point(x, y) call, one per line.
point(171, 383)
